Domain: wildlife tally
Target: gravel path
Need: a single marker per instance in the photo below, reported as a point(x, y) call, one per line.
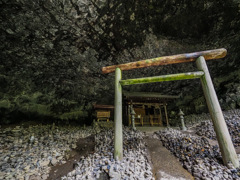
point(165, 165)
point(84, 147)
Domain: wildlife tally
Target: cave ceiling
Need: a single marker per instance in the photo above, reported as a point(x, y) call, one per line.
point(52, 51)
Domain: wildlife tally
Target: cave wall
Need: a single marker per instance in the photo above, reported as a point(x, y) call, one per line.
point(52, 52)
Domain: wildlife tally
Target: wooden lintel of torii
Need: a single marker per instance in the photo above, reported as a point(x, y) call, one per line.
point(174, 59)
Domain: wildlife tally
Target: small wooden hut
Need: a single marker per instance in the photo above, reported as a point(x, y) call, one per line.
point(103, 112)
point(150, 108)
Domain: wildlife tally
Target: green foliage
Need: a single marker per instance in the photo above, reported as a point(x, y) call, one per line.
point(73, 115)
point(41, 109)
point(5, 104)
point(36, 104)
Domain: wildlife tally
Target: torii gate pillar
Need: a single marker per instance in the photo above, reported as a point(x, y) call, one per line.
point(224, 140)
point(118, 136)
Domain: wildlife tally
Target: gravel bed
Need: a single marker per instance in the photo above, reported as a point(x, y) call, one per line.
point(233, 124)
point(197, 156)
point(101, 164)
point(28, 153)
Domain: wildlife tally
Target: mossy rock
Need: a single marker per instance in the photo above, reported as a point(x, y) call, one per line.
point(73, 115)
point(200, 105)
point(36, 108)
point(5, 104)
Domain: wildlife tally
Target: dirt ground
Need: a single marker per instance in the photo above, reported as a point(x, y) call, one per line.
point(85, 146)
point(149, 130)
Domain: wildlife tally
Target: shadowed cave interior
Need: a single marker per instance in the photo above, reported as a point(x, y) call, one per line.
point(51, 57)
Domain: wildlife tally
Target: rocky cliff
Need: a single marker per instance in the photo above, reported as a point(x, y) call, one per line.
point(52, 52)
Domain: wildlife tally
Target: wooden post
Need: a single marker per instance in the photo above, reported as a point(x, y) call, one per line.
point(118, 139)
point(161, 114)
point(224, 140)
point(151, 120)
point(165, 108)
point(141, 119)
point(129, 116)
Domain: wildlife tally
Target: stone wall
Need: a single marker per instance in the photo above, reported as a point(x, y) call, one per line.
point(52, 51)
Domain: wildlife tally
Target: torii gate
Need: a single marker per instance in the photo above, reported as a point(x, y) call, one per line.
point(226, 146)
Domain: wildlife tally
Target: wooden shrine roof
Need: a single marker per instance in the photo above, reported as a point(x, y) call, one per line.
point(102, 106)
point(148, 97)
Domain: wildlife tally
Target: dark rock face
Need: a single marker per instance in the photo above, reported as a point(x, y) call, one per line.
point(52, 52)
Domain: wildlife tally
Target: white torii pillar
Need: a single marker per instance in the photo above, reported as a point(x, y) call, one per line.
point(224, 140)
point(118, 136)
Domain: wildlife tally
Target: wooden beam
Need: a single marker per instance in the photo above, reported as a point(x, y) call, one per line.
point(224, 140)
point(118, 137)
point(171, 77)
point(149, 95)
point(174, 59)
point(142, 103)
point(101, 106)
